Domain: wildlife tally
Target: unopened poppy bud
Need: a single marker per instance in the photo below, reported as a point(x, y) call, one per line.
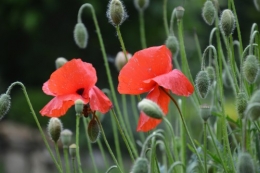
point(60, 62)
point(245, 163)
point(140, 166)
point(150, 108)
point(141, 5)
point(253, 106)
point(120, 60)
point(227, 22)
point(81, 35)
point(54, 129)
point(93, 130)
point(205, 112)
point(250, 69)
point(72, 150)
point(257, 3)
point(179, 12)
point(241, 103)
point(79, 107)
point(116, 12)
point(172, 44)
point(65, 137)
point(209, 12)
point(211, 73)
point(202, 83)
point(5, 104)
point(216, 4)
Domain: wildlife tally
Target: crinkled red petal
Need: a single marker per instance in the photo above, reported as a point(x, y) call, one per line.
point(46, 89)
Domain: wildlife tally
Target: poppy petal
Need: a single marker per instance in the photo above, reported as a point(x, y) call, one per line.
point(175, 81)
point(46, 89)
point(73, 75)
point(59, 105)
point(147, 123)
point(145, 64)
point(98, 100)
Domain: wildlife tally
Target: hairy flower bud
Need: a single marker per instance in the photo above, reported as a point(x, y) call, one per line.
point(179, 12)
point(211, 73)
point(65, 137)
point(141, 5)
point(116, 12)
point(79, 107)
point(54, 129)
point(250, 69)
point(241, 103)
point(150, 108)
point(5, 104)
point(173, 44)
point(205, 112)
point(72, 150)
point(202, 83)
point(120, 60)
point(245, 163)
point(93, 130)
point(257, 4)
point(227, 22)
point(253, 106)
point(140, 166)
point(81, 35)
point(209, 12)
point(59, 62)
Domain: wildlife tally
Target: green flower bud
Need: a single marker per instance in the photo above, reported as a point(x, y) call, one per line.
point(179, 12)
point(5, 104)
point(250, 69)
point(93, 130)
point(245, 163)
point(73, 150)
point(140, 166)
point(150, 108)
point(211, 73)
point(241, 103)
point(79, 107)
point(120, 60)
point(173, 44)
point(202, 83)
point(227, 22)
point(209, 12)
point(205, 112)
point(141, 5)
point(54, 129)
point(60, 62)
point(253, 106)
point(256, 3)
point(116, 12)
point(66, 138)
point(81, 35)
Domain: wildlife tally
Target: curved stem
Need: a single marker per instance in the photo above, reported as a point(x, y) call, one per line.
point(172, 21)
point(252, 37)
point(111, 168)
point(165, 21)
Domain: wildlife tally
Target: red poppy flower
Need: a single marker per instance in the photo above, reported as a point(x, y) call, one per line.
point(74, 80)
point(150, 70)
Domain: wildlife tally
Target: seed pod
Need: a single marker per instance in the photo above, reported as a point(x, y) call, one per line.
point(72, 150)
point(93, 130)
point(250, 69)
point(59, 62)
point(205, 112)
point(150, 108)
point(179, 12)
point(79, 107)
point(5, 104)
point(54, 129)
point(140, 166)
point(245, 163)
point(209, 12)
point(227, 22)
point(173, 44)
point(141, 5)
point(116, 12)
point(81, 35)
point(65, 137)
point(202, 83)
point(241, 103)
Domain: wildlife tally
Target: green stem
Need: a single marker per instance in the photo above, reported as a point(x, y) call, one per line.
point(36, 120)
point(77, 143)
point(121, 41)
point(165, 21)
point(58, 154)
point(74, 165)
point(111, 168)
point(66, 157)
point(172, 21)
point(205, 146)
point(142, 30)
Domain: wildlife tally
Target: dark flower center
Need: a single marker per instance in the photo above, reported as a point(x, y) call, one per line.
point(80, 91)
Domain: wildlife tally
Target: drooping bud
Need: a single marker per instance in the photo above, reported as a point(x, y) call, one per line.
point(205, 112)
point(257, 4)
point(245, 163)
point(65, 137)
point(250, 69)
point(173, 44)
point(116, 12)
point(81, 35)
point(79, 107)
point(54, 129)
point(140, 166)
point(5, 104)
point(227, 22)
point(209, 12)
point(141, 5)
point(120, 60)
point(59, 62)
point(253, 106)
point(211, 73)
point(73, 150)
point(150, 108)
point(93, 130)
point(202, 83)
point(179, 12)
point(241, 103)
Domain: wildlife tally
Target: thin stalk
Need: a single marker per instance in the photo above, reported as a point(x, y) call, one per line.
point(74, 165)
point(121, 41)
point(58, 154)
point(77, 143)
point(66, 157)
point(165, 21)
point(183, 132)
point(102, 152)
point(111, 168)
point(36, 120)
point(142, 30)
point(205, 146)
point(197, 43)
